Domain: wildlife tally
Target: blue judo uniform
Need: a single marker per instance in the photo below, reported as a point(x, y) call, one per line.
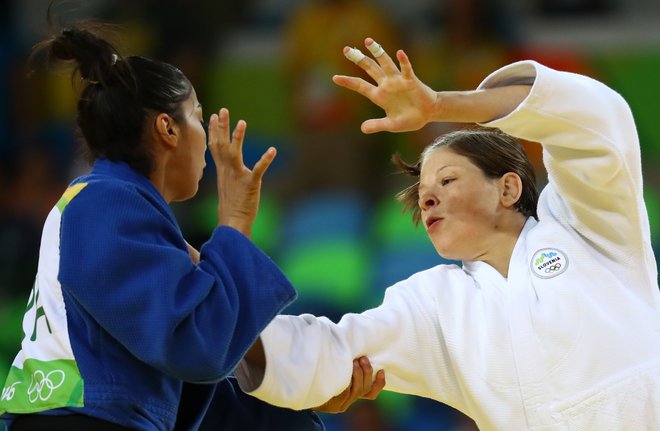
point(122, 326)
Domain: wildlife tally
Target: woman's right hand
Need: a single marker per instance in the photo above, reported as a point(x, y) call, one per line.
point(362, 386)
point(408, 103)
point(238, 186)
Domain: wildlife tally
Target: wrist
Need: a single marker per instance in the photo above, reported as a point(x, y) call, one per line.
point(438, 107)
point(455, 107)
point(240, 225)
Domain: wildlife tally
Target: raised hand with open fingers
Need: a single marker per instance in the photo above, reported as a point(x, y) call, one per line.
point(406, 100)
point(239, 187)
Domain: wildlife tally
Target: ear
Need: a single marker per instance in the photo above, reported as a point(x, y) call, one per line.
point(166, 130)
point(510, 189)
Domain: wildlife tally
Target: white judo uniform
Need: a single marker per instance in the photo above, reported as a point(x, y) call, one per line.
point(570, 341)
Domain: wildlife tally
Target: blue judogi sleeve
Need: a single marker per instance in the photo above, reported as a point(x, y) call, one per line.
point(125, 263)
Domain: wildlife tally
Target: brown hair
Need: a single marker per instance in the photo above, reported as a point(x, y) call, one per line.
point(491, 150)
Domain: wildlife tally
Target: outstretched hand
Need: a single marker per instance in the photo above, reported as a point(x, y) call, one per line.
point(238, 187)
point(362, 386)
point(407, 101)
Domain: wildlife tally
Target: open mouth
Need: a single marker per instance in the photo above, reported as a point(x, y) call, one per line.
point(432, 222)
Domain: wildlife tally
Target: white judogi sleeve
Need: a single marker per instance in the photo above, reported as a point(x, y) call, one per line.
point(591, 152)
point(309, 359)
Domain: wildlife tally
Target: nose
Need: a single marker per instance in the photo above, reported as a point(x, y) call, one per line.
point(427, 201)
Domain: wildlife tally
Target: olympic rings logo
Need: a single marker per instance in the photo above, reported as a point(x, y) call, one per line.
point(9, 391)
point(548, 263)
point(553, 268)
point(43, 385)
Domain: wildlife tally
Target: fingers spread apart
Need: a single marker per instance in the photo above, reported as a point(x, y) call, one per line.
point(383, 65)
point(375, 49)
point(384, 59)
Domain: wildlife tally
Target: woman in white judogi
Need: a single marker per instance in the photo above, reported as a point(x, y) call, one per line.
point(552, 323)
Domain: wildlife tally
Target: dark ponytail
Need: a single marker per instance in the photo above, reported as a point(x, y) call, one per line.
point(119, 94)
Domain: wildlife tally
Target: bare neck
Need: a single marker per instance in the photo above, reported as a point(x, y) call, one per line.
point(158, 178)
point(503, 242)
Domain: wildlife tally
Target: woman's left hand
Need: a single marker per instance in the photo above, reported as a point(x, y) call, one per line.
point(238, 186)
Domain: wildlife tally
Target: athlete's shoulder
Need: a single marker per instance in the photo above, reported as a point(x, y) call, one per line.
point(104, 205)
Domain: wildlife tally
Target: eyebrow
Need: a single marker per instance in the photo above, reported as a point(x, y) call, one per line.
point(421, 188)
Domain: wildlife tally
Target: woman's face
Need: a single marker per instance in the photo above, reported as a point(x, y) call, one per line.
point(459, 205)
point(188, 164)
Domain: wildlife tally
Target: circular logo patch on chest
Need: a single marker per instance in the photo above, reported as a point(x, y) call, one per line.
point(549, 262)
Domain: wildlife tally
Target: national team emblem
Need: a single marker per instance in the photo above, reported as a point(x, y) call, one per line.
point(548, 263)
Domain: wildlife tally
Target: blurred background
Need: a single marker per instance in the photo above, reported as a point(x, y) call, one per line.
point(328, 215)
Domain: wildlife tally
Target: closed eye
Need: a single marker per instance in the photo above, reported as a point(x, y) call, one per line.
point(446, 181)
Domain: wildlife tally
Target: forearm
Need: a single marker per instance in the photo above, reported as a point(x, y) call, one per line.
point(306, 364)
point(477, 106)
point(565, 103)
point(309, 359)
